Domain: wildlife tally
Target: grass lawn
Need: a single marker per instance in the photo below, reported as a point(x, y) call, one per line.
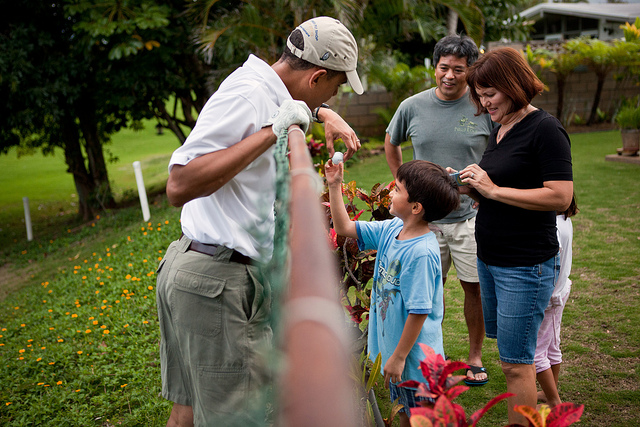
point(79, 333)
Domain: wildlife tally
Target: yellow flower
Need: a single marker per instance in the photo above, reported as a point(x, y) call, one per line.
point(123, 385)
point(38, 359)
point(145, 322)
point(88, 331)
point(59, 382)
point(74, 315)
point(106, 332)
point(80, 352)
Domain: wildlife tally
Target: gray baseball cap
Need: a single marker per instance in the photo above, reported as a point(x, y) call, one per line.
point(329, 44)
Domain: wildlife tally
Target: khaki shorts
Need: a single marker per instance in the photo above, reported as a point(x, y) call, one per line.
point(458, 245)
point(215, 333)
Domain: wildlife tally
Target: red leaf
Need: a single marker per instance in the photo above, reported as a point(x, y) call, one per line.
point(455, 391)
point(445, 412)
point(453, 380)
point(480, 412)
point(531, 414)
point(451, 367)
point(363, 196)
point(564, 414)
point(421, 410)
point(420, 421)
point(410, 384)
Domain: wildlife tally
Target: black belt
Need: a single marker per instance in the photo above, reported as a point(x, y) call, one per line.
point(206, 249)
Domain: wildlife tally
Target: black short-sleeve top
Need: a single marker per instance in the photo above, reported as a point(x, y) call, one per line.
point(535, 150)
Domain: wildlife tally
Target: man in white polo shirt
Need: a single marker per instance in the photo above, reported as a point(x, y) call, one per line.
point(213, 306)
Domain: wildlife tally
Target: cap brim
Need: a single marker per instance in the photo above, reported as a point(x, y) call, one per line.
point(354, 82)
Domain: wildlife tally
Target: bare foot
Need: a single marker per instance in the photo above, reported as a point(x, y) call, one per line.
point(542, 397)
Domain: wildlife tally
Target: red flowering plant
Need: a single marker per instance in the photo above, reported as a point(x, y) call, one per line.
point(441, 387)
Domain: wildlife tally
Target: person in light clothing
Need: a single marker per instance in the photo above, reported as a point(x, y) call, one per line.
point(214, 305)
point(548, 355)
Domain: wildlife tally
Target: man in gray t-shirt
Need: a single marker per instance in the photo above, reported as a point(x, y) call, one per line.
point(442, 125)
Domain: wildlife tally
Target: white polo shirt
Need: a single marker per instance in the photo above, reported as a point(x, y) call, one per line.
point(240, 214)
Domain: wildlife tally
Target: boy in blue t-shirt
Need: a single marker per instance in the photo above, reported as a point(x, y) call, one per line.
point(407, 299)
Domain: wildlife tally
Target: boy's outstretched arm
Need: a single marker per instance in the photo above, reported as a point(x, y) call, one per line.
point(395, 365)
point(341, 221)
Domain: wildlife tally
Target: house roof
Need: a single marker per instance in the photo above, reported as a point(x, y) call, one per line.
point(621, 12)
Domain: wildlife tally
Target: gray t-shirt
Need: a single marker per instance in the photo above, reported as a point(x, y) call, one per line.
point(447, 133)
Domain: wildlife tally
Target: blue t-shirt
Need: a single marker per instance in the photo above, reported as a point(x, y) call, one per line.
point(407, 279)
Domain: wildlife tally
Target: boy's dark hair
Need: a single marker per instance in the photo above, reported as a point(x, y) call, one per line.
point(460, 46)
point(431, 186)
point(297, 39)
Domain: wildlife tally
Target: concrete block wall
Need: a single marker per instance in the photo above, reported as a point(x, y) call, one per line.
point(580, 87)
point(360, 111)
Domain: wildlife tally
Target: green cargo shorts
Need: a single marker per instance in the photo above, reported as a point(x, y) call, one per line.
point(215, 332)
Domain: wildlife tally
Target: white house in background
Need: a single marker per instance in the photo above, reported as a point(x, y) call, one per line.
point(561, 21)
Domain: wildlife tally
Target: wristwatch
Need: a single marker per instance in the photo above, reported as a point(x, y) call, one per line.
point(315, 113)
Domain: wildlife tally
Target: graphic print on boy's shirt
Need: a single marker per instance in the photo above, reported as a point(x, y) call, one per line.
point(387, 286)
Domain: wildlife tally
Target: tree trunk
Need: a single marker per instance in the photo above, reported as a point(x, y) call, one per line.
point(74, 159)
point(95, 154)
point(596, 99)
point(452, 22)
point(172, 124)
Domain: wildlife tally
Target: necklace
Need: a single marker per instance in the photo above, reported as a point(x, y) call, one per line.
point(506, 128)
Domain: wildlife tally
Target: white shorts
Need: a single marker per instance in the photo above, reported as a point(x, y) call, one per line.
point(458, 245)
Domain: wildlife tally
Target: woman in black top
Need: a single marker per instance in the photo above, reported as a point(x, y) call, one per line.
point(524, 177)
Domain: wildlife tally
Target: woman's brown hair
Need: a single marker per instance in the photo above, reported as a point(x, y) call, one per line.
point(505, 70)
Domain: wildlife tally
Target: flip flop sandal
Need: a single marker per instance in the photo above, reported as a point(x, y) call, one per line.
point(476, 370)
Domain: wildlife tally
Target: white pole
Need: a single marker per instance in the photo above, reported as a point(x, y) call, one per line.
point(27, 218)
point(141, 191)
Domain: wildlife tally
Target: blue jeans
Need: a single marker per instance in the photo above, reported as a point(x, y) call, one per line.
point(513, 304)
